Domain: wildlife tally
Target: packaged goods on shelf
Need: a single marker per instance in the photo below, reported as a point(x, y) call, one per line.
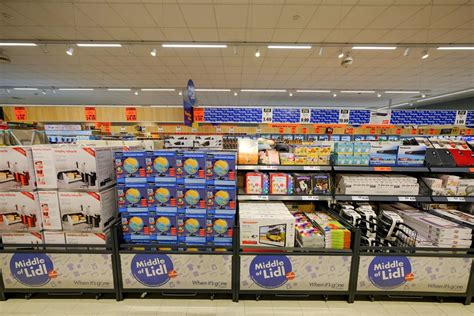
point(179, 141)
point(307, 235)
point(86, 238)
point(21, 238)
point(411, 155)
point(133, 166)
point(321, 183)
point(45, 169)
point(193, 227)
point(16, 169)
point(191, 196)
point(220, 168)
point(164, 165)
point(164, 226)
point(247, 151)
point(222, 226)
point(266, 224)
point(303, 184)
point(256, 183)
point(383, 153)
point(133, 197)
point(162, 196)
point(191, 166)
point(454, 151)
point(351, 153)
point(208, 142)
point(466, 187)
point(269, 157)
point(336, 235)
point(50, 211)
point(377, 184)
point(455, 215)
point(287, 158)
point(54, 237)
point(20, 211)
point(221, 198)
point(281, 183)
point(450, 185)
point(136, 227)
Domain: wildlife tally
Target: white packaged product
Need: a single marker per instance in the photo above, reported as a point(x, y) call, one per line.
point(266, 224)
point(50, 213)
point(22, 238)
point(16, 169)
point(81, 238)
point(45, 169)
point(87, 211)
point(54, 237)
point(466, 187)
point(20, 211)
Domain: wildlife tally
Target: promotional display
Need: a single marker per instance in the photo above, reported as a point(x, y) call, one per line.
point(16, 169)
point(20, 211)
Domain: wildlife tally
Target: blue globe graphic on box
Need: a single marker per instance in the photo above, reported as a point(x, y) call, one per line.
point(220, 226)
point(131, 165)
point(222, 198)
point(162, 195)
point(133, 195)
point(191, 166)
point(161, 164)
point(192, 197)
point(221, 168)
point(136, 223)
point(163, 224)
point(191, 225)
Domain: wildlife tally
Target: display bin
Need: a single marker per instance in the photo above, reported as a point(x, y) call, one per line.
point(59, 269)
point(415, 272)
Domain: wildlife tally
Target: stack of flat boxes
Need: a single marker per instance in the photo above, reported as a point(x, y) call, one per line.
point(76, 194)
point(172, 197)
point(351, 153)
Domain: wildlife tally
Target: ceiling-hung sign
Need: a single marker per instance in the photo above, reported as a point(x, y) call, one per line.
point(189, 100)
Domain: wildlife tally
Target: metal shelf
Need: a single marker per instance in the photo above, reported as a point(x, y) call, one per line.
point(453, 199)
point(452, 169)
point(382, 198)
point(256, 197)
point(284, 167)
point(381, 169)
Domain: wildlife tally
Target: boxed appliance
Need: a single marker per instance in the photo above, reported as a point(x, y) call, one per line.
point(383, 153)
point(192, 227)
point(86, 238)
point(50, 212)
point(54, 237)
point(133, 197)
point(281, 183)
point(179, 141)
point(191, 167)
point(256, 183)
point(220, 197)
point(136, 227)
point(45, 168)
point(222, 227)
point(274, 227)
point(411, 155)
point(132, 166)
point(208, 142)
point(220, 168)
point(16, 169)
point(87, 211)
point(162, 196)
point(191, 196)
point(84, 168)
point(361, 148)
point(22, 238)
point(20, 211)
point(164, 226)
point(164, 165)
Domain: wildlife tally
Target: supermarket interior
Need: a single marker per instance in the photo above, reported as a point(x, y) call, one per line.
point(257, 157)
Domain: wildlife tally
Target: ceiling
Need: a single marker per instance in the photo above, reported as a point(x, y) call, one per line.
point(336, 23)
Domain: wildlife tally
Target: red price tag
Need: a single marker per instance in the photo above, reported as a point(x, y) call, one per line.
point(281, 130)
point(304, 130)
point(90, 114)
point(382, 169)
point(471, 169)
point(372, 130)
point(413, 131)
point(398, 131)
point(293, 129)
point(349, 130)
point(103, 126)
point(198, 115)
point(431, 131)
point(467, 132)
point(131, 114)
point(316, 130)
point(20, 113)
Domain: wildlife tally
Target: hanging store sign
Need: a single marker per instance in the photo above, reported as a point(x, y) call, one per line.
point(461, 117)
point(198, 115)
point(131, 114)
point(344, 116)
point(90, 113)
point(189, 100)
point(305, 116)
point(267, 115)
point(380, 117)
point(20, 113)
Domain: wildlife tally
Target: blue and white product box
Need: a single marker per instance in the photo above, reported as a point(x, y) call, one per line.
point(221, 197)
point(164, 227)
point(383, 153)
point(163, 165)
point(361, 148)
point(191, 167)
point(136, 226)
point(191, 197)
point(162, 196)
point(132, 197)
point(192, 227)
point(344, 147)
point(411, 155)
point(361, 160)
point(221, 228)
point(220, 168)
point(132, 166)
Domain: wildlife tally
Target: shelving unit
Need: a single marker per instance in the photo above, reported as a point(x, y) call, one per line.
point(266, 197)
point(382, 198)
point(284, 168)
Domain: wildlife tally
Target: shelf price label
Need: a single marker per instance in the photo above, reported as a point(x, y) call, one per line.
point(131, 114)
point(305, 115)
point(456, 199)
point(269, 168)
point(382, 168)
point(198, 114)
point(471, 169)
point(407, 199)
point(266, 115)
point(262, 197)
point(311, 168)
point(344, 116)
point(310, 198)
point(20, 113)
point(91, 114)
point(360, 198)
point(461, 117)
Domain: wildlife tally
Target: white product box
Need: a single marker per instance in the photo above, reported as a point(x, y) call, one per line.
point(433, 183)
point(179, 141)
point(86, 238)
point(16, 169)
point(266, 224)
point(84, 168)
point(50, 213)
point(20, 211)
point(466, 187)
point(45, 169)
point(87, 211)
point(52, 237)
point(22, 238)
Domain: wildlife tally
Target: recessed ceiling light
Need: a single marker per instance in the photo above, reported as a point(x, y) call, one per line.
point(406, 52)
point(402, 92)
point(135, 92)
point(357, 91)
point(423, 95)
point(425, 54)
point(340, 54)
point(180, 93)
point(379, 95)
point(43, 91)
point(119, 89)
point(18, 44)
point(236, 94)
point(157, 89)
point(321, 51)
point(70, 51)
point(289, 46)
point(26, 89)
point(290, 94)
point(257, 53)
point(375, 47)
point(334, 94)
point(76, 89)
point(262, 90)
point(194, 45)
point(213, 90)
point(456, 48)
point(99, 45)
point(153, 52)
point(314, 91)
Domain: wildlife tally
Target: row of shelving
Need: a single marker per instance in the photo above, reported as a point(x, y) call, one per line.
point(360, 198)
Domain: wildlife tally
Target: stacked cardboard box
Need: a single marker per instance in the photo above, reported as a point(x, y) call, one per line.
point(307, 234)
point(336, 235)
point(450, 185)
point(376, 184)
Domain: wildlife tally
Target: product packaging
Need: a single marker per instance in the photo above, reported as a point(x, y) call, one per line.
point(85, 238)
point(50, 212)
point(192, 197)
point(411, 155)
point(16, 169)
point(136, 227)
point(221, 197)
point(303, 184)
point(222, 229)
point(256, 183)
point(281, 183)
point(247, 151)
point(191, 167)
point(192, 227)
point(164, 227)
point(383, 153)
point(220, 168)
point(162, 196)
point(321, 183)
point(22, 238)
point(45, 168)
point(133, 166)
point(133, 197)
point(20, 211)
point(164, 165)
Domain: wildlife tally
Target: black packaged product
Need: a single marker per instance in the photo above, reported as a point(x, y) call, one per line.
point(321, 183)
point(302, 184)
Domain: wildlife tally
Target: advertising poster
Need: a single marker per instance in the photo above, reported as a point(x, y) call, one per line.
point(295, 273)
point(401, 273)
point(176, 271)
point(57, 271)
point(189, 100)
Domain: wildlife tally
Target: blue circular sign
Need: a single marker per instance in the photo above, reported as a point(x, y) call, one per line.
point(271, 271)
point(152, 270)
point(386, 272)
point(32, 269)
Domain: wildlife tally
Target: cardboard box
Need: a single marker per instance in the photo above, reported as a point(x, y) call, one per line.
point(256, 183)
point(164, 226)
point(164, 165)
point(136, 227)
point(54, 237)
point(191, 167)
point(22, 238)
point(45, 168)
point(383, 153)
point(133, 197)
point(191, 197)
point(16, 169)
point(281, 183)
point(220, 197)
point(76, 238)
point(302, 184)
point(20, 211)
point(411, 155)
point(247, 151)
point(466, 187)
point(162, 196)
point(50, 212)
point(192, 227)
point(132, 166)
point(222, 228)
point(87, 211)
point(220, 168)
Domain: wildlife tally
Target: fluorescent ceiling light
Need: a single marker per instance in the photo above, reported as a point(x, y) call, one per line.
point(456, 48)
point(375, 47)
point(445, 95)
point(76, 89)
point(119, 89)
point(18, 44)
point(157, 89)
point(402, 92)
point(213, 90)
point(195, 45)
point(262, 90)
point(314, 91)
point(289, 46)
point(357, 91)
point(26, 89)
point(99, 45)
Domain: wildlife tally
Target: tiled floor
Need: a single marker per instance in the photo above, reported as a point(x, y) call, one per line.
point(175, 307)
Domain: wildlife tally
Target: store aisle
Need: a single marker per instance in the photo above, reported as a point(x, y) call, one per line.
point(53, 307)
